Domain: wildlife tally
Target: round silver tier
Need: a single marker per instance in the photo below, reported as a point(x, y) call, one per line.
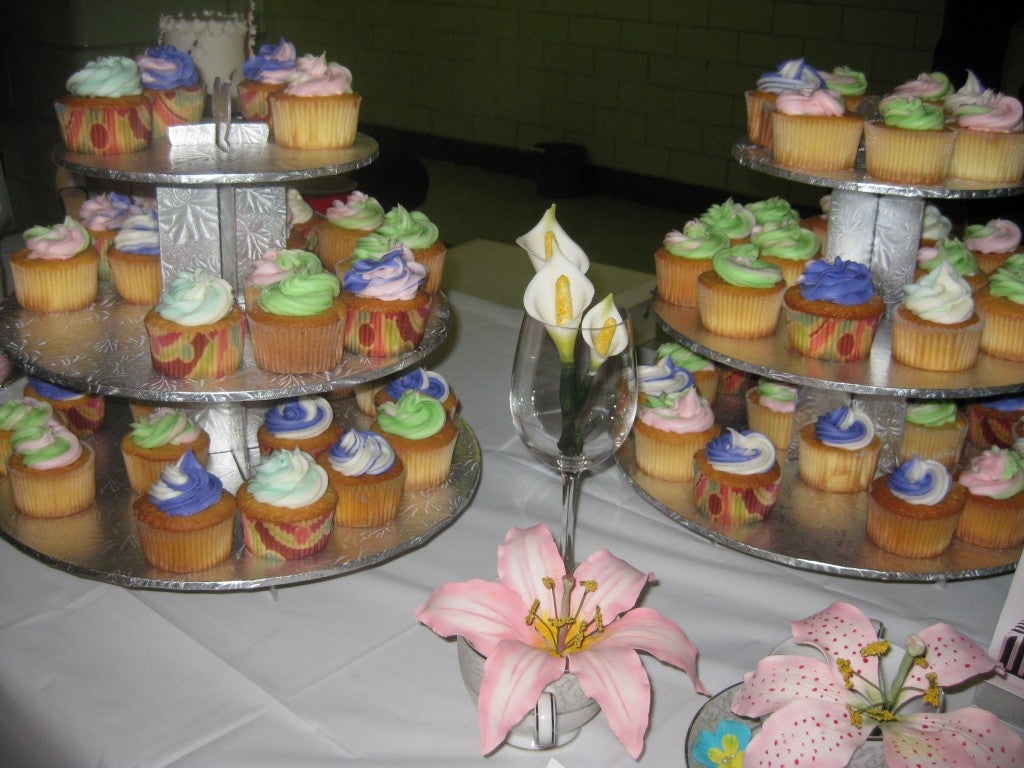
point(101, 542)
point(104, 349)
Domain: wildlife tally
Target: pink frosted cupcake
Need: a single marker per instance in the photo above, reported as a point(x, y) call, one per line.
point(317, 108)
point(989, 144)
point(342, 226)
point(993, 515)
point(102, 216)
point(683, 255)
point(274, 266)
point(302, 222)
point(814, 130)
point(771, 406)
point(57, 270)
point(51, 472)
point(993, 242)
point(954, 251)
point(669, 429)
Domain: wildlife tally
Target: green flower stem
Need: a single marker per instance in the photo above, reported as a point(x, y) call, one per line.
point(568, 442)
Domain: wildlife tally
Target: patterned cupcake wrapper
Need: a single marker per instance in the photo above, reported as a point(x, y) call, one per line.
point(176, 106)
point(198, 355)
point(826, 338)
point(186, 551)
point(287, 541)
point(105, 130)
point(727, 505)
point(382, 333)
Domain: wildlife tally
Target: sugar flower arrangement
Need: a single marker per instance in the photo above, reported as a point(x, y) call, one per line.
point(538, 622)
point(820, 711)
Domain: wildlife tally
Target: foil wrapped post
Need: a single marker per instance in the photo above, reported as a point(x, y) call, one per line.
point(888, 414)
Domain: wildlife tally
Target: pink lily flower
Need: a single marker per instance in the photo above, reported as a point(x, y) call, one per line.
point(538, 623)
point(820, 711)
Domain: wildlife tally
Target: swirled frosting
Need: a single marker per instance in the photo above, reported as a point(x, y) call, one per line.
point(139, 234)
point(196, 298)
point(300, 294)
point(776, 396)
point(375, 245)
point(46, 446)
point(677, 412)
point(995, 236)
point(846, 81)
point(931, 414)
point(786, 240)
point(107, 211)
point(817, 103)
point(25, 412)
point(185, 488)
point(315, 76)
point(53, 391)
point(1008, 283)
point(290, 479)
point(929, 86)
point(414, 416)
point(841, 282)
point(952, 250)
point(995, 112)
point(165, 67)
point(390, 278)
point(56, 243)
point(277, 263)
point(971, 92)
point(662, 377)
point(696, 241)
point(911, 114)
point(741, 452)
point(106, 77)
point(164, 426)
point(271, 64)
point(790, 75)
point(357, 211)
point(772, 210)
point(299, 417)
point(934, 226)
point(846, 427)
point(740, 266)
point(996, 473)
point(360, 453)
point(419, 380)
point(730, 219)
point(298, 210)
point(681, 357)
point(940, 296)
point(412, 228)
point(920, 481)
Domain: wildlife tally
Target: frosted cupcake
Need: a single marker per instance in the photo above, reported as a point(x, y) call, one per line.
point(265, 72)
point(134, 259)
point(171, 82)
point(934, 226)
point(771, 406)
point(302, 222)
point(993, 513)
point(186, 519)
point(306, 423)
point(1001, 307)
point(791, 75)
point(772, 211)
point(814, 130)
point(736, 478)
point(989, 144)
point(102, 216)
point(317, 108)
point(839, 451)
point(420, 380)
point(681, 258)
point(57, 270)
point(954, 251)
point(741, 296)
point(929, 87)
point(82, 412)
point(991, 422)
point(788, 246)
point(911, 144)
point(157, 441)
point(669, 428)
point(993, 242)
point(21, 412)
point(368, 476)
point(730, 219)
point(51, 472)
point(421, 236)
point(196, 331)
point(274, 266)
point(423, 436)
point(913, 511)
point(849, 83)
point(287, 507)
point(703, 371)
point(933, 430)
point(343, 224)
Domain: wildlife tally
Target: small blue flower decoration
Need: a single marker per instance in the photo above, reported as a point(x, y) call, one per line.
point(723, 748)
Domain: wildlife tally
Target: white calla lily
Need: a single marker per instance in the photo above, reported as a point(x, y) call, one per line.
point(604, 331)
point(557, 296)
point(548, 238)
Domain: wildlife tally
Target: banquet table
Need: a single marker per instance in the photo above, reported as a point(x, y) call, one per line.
point(339, 671)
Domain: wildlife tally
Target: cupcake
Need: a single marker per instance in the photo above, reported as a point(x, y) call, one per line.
point(186, 519)
point(265, 72)
point(730, 219)
point(417, 232)
point(772, 211)
point(287, 506)
point(157, 441)
point(990, 422)
point(839, 451)
point(196, 331)
point(368, 477)
point(849, 83)
point(741, 296)
point(703, 371)
point(57, 270)
point(422, 434)
point(832, 313)
point(51, 472)
point(306, 423)
point(993, 513)
point(771, 406)
point(971, 92)
point(296, 324)
point(913, 511)
point(343, 224)
point(936, 327)
point(387, 305)
point(788, 246)
point(953, 250)
point(791, 75)
point(104, 111)
point(992, 243)
point(317, 108)
point(21, 412)
point(273, 266)
point(102, 216)
point(82, 412)
point(934, 226)
point(681, 258)
point(814, 130)
point(302, 222)
point(736, 478)
point(1001, 306)
point(171, 81)
point(989, 144)
point(933, 430)
point(911, 144)
point(419, 380)
point(929, 87)
point(134, 259)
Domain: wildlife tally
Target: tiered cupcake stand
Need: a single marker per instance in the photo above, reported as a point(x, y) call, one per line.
point(877, 224)
point(218, 208)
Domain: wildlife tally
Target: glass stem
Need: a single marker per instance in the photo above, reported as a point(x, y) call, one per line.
point(570, 504)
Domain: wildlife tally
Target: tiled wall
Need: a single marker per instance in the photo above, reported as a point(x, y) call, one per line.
point(650, 87)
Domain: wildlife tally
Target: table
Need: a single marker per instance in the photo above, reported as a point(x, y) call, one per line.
point(339, 671)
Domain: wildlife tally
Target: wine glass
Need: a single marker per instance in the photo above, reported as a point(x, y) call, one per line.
point(570, 414)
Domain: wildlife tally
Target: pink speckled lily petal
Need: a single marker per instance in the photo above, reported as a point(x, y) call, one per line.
point(481, 611)
point(806, 732)
point(618, 583)
point(616, 679)
point(840, 631)
point(781, 680)
point(526, 556)
point(966, 738)
point(953, 656)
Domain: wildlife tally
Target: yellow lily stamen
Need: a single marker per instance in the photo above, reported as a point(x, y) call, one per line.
point(563, 301)
point(855, 717)
point(549, 244)
point(880, 715)
point(920, 661)
point(603, 338)
point(933, 696)
point(598, 620)
point(532, 615)
point(846, 670)
point(877, 648)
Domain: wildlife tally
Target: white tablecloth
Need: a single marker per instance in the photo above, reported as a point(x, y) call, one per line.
point(339, 671)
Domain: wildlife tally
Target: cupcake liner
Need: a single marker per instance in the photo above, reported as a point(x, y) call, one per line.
point(186, 551)
point(990, 262)
point(915, 537)
point(830, 338)
point(986, 156)
point(731, 505)
point(176, 106)
point(384, 333)
point(676, 277)
point(102, 239)
point(196, 352)
point(55, 285)
point(1003, 326)
point(254, 99)
point(433, 259)
point(82, 415)
point(776, 426)
point(136, 276)
point(791, 268)
point(287, 541)
point(992, 523)
point(144, 465)
point(987, 427)
point(96, 126)
point(335, 244)
point(315, 122)
point(313, 445)
point(746, 313)
point(366, 501)
point(942, 444)
point(296, 345)
point(816, 143)
point(837, 470)
point(933, 346)
point(668, 455)
point(760, 106)
point(907, 157)
point(424, 467)
point(54, 492)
